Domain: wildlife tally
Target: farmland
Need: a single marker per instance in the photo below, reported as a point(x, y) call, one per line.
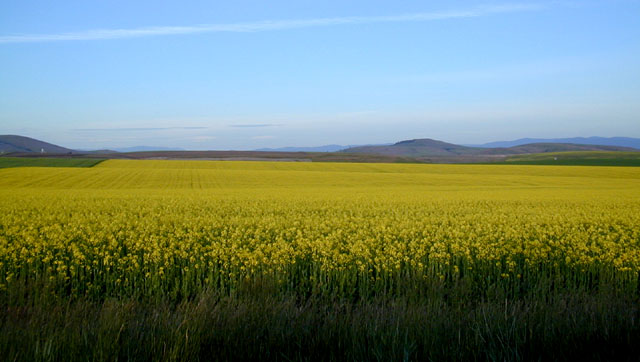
point(512, 261)
point(6, 162)
point(579, 158)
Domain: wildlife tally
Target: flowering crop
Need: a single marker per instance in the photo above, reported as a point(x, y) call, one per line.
point(148, 228)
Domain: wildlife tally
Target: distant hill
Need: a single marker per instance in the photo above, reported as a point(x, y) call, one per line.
point(415, 148)
point(433, 148)
point(602, 141)
point(13, 143)
point(552, 147)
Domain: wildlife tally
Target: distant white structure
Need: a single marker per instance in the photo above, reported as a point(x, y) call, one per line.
point(42, 150)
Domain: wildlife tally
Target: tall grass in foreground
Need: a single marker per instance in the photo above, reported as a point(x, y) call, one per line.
point(255, 324)
point(553, 313)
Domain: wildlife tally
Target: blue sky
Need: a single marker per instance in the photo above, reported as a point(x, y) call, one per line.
point(251, 74)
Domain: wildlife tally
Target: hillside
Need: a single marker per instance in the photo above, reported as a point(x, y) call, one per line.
point(432, 148)
point(424, 147)
point(417, 150)
point(263, 156)
point(601, 141)
point(13, 143)
point(552, 147)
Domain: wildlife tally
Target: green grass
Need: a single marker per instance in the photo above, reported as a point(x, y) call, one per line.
point(578, 158)
point(252, 325)
point(6, 162)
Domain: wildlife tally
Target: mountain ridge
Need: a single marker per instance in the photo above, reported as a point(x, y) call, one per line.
point(414, 148)
point(602, 141)
point(16, 143)
point(426, 147)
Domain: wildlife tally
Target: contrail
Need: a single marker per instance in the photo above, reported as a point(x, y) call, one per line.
point(103, 34)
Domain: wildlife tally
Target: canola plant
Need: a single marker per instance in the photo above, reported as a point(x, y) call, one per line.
point(176, 228)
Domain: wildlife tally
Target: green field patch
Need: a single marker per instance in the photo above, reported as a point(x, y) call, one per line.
point(578, 158)
point(7, 162)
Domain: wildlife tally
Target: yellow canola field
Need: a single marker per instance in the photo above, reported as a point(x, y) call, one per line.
point(158, 227)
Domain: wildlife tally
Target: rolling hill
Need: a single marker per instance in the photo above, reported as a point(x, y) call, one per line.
point(14, 143)
point(602, 141)
point(423, 150)
point(426, 147)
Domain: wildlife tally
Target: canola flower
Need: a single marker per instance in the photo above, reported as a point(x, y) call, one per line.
point(149, 228)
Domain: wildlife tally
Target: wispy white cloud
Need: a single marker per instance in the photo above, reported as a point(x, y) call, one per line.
point(102, 34)
point(137, 129)
point(257, 125)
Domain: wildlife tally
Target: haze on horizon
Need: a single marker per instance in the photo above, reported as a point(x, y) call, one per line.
point(250, 74)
